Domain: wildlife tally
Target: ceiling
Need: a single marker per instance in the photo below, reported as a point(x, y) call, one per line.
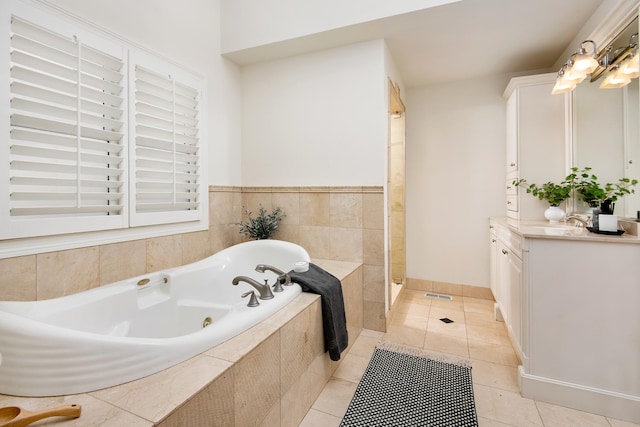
point(456, 41)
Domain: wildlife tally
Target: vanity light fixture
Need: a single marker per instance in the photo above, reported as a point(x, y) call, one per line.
point(615, 79)
point(630, 67)
point(562, 84)
point(618, 66)
point(623, 67)
point(577, 68)
point(584, 63)
point(573, 73)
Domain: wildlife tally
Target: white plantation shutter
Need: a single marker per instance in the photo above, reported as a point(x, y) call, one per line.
point(67, 123)
point(166, 181)
point(97, 136)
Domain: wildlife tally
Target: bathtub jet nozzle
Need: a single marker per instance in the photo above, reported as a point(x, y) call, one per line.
point(283, 278)
point(263, 290)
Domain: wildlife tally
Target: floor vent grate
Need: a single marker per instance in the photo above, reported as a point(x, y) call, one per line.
point(438, 296)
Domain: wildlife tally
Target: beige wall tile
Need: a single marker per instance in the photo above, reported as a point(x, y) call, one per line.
point(154, 397)
point(447, 288)
point(222, 236)
point(346, 244)
point(373, 211)
point(373, 247)
point(346, 210)
point(419, 284)
point(352, 290)
point(164, 252)
point(374, 283)
point(297, 401)
point(18, 278)
point(397, 272)
point(290, 204)
point(195, 246)
point(257, 380)
point(225, 207)
point(296, 351)
point(374, 316)
point(253, 201)
point(316, 240)
point(213, 406)
point(316, 332)
point(315, 209)
point(67, 272)
point(273, 416)
point(288, 232)
point(477, 292)
point(119, 261)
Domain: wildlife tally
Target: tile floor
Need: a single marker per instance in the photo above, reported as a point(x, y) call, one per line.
point(474, 334)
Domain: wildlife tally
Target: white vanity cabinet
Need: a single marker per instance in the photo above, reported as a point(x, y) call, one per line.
point(506, 281)
point(571, 302)
point(537, 124)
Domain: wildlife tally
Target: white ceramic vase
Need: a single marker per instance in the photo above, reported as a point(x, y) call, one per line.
point(554, 214)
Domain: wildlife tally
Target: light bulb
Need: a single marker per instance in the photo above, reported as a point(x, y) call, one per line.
point(563, 86)
point(574, 75)
point(583, 62)
point(630, 67)
point(614, 80)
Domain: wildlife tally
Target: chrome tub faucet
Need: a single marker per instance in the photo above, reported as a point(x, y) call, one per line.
point(283, 278)
point(263, 290)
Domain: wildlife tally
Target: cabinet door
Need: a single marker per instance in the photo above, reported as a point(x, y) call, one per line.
point(514, 323)
point(493, 258)
point(502, 276)
point(512, 133)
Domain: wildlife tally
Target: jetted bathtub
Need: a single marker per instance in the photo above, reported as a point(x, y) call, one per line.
point(136, 327)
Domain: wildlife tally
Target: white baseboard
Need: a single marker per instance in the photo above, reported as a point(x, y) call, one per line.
point(603, 402)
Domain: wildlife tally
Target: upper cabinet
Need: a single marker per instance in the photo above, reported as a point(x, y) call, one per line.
point(537, 132)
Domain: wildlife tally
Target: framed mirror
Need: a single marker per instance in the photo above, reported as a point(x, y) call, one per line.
point(605, 131)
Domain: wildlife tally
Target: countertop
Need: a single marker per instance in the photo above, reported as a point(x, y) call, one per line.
point(560, 231)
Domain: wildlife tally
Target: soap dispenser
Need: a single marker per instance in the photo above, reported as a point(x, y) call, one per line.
point(595, 220)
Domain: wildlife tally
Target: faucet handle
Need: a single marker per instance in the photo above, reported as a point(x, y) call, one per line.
point(253, 301)
point(285, 279)
point(277, 287)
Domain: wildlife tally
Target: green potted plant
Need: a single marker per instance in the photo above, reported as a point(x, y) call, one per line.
point(593, 194)
point(263, 226)
point(553, 193)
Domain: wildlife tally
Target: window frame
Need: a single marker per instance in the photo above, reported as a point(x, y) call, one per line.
point(128, 227)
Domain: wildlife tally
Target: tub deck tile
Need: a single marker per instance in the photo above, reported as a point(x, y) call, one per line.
point(291, 310)
point(156, 396)
point(237, 347)
point(95, 412)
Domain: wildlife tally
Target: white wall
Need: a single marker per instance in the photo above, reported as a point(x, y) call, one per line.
point(188, 33)
point(316, 119)
point(251, 23)
point(455, 173)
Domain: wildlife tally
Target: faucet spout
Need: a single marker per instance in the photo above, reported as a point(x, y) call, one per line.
point(263, 290)
point(578, 219)
point(283, 277)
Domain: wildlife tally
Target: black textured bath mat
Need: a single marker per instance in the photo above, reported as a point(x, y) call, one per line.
point(404, 386)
